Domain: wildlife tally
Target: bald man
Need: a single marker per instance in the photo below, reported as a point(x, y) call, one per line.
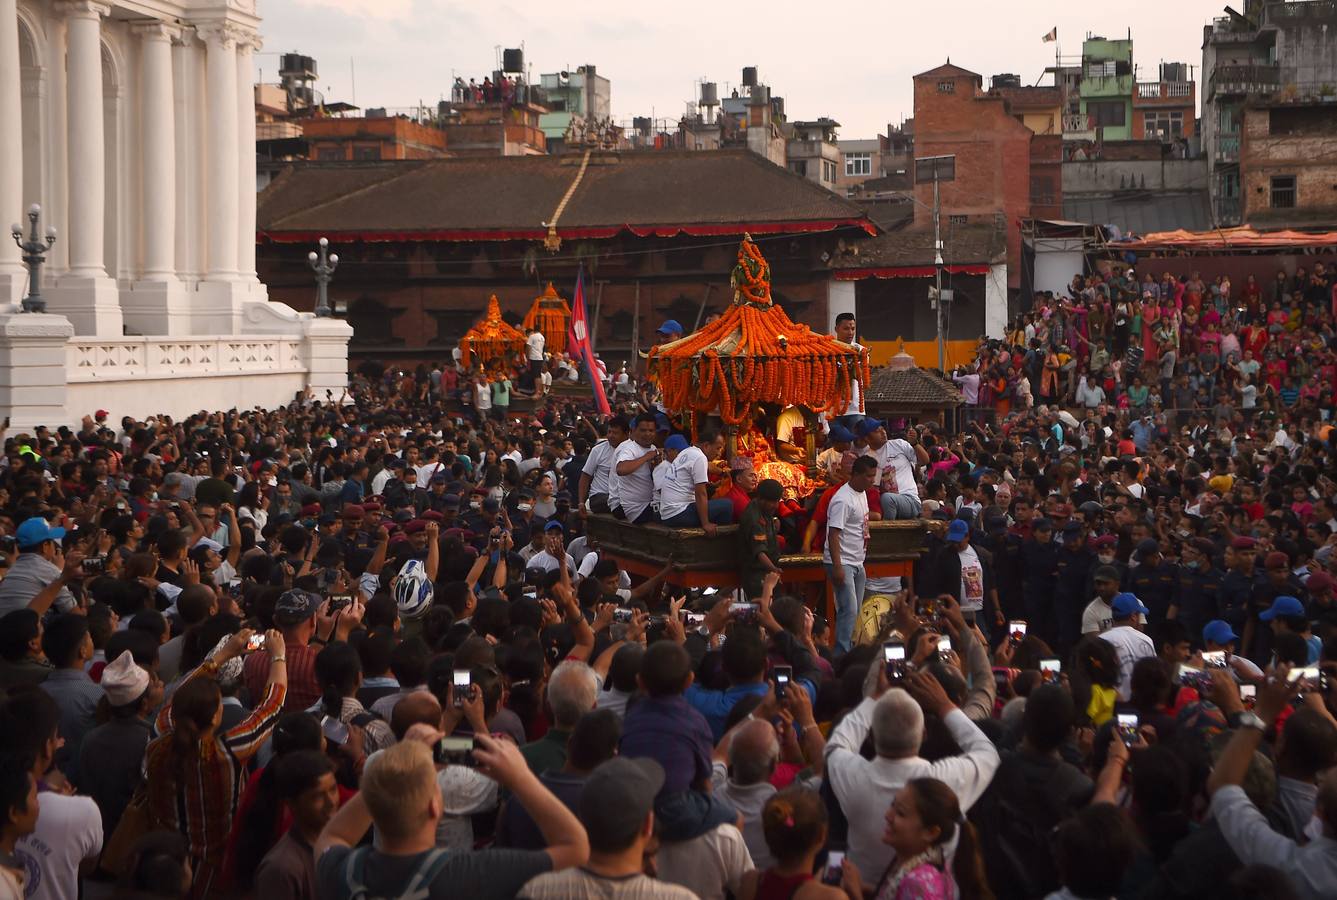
point(752, 752)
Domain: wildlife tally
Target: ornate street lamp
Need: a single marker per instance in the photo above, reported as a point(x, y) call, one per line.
point(323, 265)
point(34, 251)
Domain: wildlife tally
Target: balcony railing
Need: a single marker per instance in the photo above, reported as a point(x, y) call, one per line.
point(1076, 122)
point(1227, 149)
point(1164, 90)
point(1244, 80)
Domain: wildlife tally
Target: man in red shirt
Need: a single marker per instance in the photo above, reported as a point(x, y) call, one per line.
point(744, 486)
point(295, 616)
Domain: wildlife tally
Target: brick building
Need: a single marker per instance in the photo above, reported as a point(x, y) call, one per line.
point(388, 137)
point(423, 244)
point(954, 116)
point(1288, 163)
point(1165, 110)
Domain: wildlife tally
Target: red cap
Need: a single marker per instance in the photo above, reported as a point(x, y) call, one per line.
point(1319, 581)
point(1276, 560)
point(352, 510)
point(433, 516)
point(1243, 543)
point(414, 526)
point(1105, 540)
point(311, 509)
point(101, 414)
point(371, 506)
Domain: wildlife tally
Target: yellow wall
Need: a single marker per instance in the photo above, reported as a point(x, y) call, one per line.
point(925, 353)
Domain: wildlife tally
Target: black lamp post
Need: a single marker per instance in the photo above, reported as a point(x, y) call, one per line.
point(323, 264)
point(34, 253)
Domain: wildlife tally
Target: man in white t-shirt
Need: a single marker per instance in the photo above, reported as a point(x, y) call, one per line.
point(1098, 617)
point(550, 558)
point(633, 468)
point(593, 494)
point(847, 547)
point(684, 500)
point(1127, 637)
point(482, 398)
point(896, 461)
point(69, 829)
point(534, 343)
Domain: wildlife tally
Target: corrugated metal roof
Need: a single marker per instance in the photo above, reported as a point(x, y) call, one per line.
point(1142, 213)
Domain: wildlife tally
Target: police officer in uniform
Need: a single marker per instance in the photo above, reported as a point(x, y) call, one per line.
point(1039, 562)
point(1154, 580)
point(759, 548)
point(1072, 573)
point(1199, 589)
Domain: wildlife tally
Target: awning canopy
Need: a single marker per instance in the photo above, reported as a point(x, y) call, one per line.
point(1239, 238)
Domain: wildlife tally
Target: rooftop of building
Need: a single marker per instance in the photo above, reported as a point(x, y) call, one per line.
point(947, 70)
point(503, 198)
point(971, 244)
point(901, 385)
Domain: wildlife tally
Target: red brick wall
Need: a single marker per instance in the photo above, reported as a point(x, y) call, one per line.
point(993, 158)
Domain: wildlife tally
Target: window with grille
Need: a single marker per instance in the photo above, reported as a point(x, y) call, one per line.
point(858, 164)
point(946, 87)
point(1163, 125)
point(1283, 191)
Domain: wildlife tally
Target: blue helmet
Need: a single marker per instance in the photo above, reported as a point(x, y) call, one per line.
point(413, 590)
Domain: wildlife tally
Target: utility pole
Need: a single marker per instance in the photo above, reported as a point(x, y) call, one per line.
point(936, 169)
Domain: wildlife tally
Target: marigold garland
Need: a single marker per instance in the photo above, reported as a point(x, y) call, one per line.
point(550, 314)
point(754, 353)
point(491, 337)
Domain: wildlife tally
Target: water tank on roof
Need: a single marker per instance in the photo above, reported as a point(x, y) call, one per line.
point(641, 125)
point(376, 112)
point(1006, 80)
point(749, 76)
point(1174, 72)
point(778, 107)
point(710, 94)
point(761, 94)
point(513, 60)
point(298, 65)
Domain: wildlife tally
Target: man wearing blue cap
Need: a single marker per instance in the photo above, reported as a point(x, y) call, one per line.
point(1126, 635)
point(966, 572)
point(40, 563)
point(669, 331)
point(684, 500)
point(1287, 614)
point(839, 439)
point(1218, 635)
point(896, 461)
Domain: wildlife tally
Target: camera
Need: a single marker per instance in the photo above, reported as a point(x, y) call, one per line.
point(94, 565)
point(1127, 728)
point(834, 870)
point(1248, 695)
point(782, 676)
point(456, 751)
point(255, 642)
point(340, 601)
point(462, 687)
point(1016, 631)
point(1195, 678)
point(1214, 659)
point(693, 620)
point(743, 613)
point(335, 732)
point(893, 657)
point(623, 616)
point(1050, 669)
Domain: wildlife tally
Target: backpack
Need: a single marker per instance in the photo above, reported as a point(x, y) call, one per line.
point(418, 888)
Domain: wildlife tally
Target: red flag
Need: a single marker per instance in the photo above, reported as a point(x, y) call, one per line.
point(578, 344)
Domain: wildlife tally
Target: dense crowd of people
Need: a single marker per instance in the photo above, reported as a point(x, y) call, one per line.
point(367, 646)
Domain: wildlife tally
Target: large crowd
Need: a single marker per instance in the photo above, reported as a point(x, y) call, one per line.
point(367, 646)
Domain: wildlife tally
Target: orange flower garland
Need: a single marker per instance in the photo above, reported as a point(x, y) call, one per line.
point(550, 314)
point(754, 353)
point(491, 337)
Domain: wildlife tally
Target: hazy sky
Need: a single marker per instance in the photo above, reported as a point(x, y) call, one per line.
point(851, 61)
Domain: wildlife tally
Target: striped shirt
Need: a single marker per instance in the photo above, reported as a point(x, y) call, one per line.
point(199, 798)
point(303, 691)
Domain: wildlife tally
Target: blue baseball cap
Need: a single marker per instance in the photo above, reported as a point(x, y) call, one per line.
point(1127, 605)
point(1219, 632)
point(867, 426)
point(554, 525)
point(959, 530)
point(840, 434)
point(36, 531)
point(670, 326)
point(1282, 606)
point(675, 442)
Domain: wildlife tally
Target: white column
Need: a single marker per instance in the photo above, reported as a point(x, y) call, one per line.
point(221, 192)
point(12, 276)
point(87, 178)
point(158, 157)
point(156, 303)
point(246, 47)
point(85, 294)
point(55, 143)
point(189, 99)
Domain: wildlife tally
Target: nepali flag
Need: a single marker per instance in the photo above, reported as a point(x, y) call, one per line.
point(578, 344)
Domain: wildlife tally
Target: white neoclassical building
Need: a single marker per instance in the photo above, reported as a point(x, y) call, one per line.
point(131, 123)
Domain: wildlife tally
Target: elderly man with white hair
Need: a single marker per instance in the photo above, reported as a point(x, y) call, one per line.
point(573, 690)
point(866, 788)
point(752, 751)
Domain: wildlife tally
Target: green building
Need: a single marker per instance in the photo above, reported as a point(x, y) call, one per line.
point(1107, 86)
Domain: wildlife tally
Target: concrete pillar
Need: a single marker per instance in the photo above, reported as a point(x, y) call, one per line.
point(12, 273)
point(839, 299)
point(326, 349)
point(246, 47)
point(86, 295)
point(221, 174)
point(32, 370)
point(157, 302)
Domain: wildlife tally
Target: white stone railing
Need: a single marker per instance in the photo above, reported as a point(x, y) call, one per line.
point(147, 358)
